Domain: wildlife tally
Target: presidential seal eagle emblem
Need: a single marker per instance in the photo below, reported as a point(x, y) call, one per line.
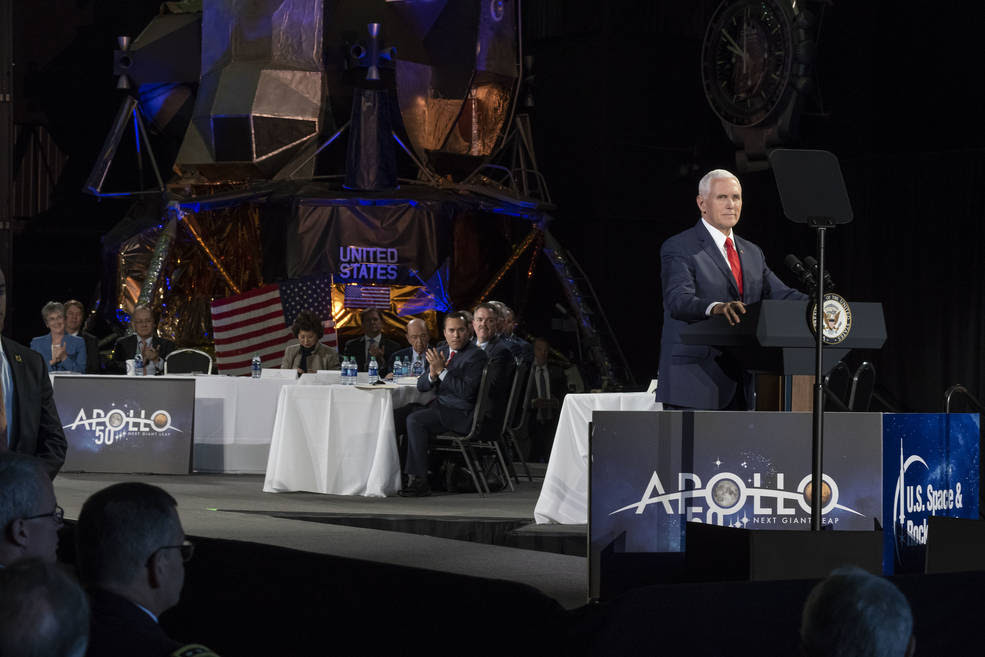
point(836, 318)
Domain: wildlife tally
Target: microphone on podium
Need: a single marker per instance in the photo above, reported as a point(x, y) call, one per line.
point(802, 273)
point(829, 284)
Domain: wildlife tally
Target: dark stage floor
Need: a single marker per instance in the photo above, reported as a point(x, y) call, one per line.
point(462, 534)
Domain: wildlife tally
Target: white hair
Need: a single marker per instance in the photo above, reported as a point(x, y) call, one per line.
point(855, 614)
point(704, 186)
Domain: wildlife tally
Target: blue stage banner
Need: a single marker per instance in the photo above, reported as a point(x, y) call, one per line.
point(930, 468)
point(126, 424)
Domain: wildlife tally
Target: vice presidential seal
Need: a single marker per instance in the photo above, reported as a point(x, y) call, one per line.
point(836, 319)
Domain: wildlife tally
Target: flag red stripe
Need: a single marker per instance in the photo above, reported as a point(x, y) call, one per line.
point(222, 303)
point(259, 306)
point(239, 337)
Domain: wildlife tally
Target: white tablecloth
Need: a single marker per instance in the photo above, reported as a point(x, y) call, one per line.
point(234, 419)
point(337, 439)
point(564, 496)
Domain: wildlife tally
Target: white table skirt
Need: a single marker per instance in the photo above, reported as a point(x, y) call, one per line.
point(234, 419)
point(564, 495)
point(337, 439)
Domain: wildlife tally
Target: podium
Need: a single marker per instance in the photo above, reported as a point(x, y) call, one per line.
point(773, 338)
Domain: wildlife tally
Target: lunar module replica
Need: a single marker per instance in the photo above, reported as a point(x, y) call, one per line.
point(382, 149)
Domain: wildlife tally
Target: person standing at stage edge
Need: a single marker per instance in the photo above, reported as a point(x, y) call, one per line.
point(709, 270)
point(29, 422)
point(372, 343)
point(153, 349)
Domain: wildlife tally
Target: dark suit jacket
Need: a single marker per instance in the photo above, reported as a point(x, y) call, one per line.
point(36, 427)
point(520, 348)
point(694, 275)
point(119, 628)
point(356, 347)
point(92, 352)
point(404, 354)
point(502, 366)
point(126, 347)
point(558, 384)
point(458, 393)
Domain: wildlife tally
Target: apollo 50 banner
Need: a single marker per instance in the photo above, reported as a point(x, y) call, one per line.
point(126, 424)
point(652, 472)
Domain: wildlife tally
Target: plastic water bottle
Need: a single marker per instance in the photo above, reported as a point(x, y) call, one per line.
point(138, 364)
point(348, 371)
point(373, 369)
point(399, 369)
point(256, 365)
point(418, 368)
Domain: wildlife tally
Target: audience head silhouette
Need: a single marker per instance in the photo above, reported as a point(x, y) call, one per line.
point(43, 611)
point(129, 541)
point(29, 514)
point(853, 613)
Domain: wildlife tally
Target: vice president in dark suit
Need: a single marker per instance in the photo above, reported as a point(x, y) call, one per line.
point(708, 270)
point(454, 373)
point(29, 422)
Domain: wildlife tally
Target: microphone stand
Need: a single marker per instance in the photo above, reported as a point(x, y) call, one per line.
point(820, 224)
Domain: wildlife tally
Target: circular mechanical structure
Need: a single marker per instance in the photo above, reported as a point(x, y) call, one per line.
point(748, 59)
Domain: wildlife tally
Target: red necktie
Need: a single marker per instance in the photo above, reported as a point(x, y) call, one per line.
point(733, 262)
point(451, 354)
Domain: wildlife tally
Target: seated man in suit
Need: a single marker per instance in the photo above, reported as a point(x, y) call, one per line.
point(29, 513)
point(419, 339)
point(519, 347)
point(74, 318)
point(29, 422)
point(131, 553)
point(708, 270)
point(454, 373)
point(153, 349)
point(486, 323)
point(372, 343)
point(544, 396)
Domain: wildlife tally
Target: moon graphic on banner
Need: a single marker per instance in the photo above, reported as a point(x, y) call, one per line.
point(115, 419)
point(725, 493)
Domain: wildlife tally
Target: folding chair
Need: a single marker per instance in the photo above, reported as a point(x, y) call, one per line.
point(863, 385)
point(188, 361)
point(836, 384)
point(455, 442)
point(521, 379)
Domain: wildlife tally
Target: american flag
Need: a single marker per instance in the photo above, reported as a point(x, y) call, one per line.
point(367, 296)
point(259, 321)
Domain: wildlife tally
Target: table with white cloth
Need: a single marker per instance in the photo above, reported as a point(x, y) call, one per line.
point(234, 418)
point(564, 495)
point(337, 439)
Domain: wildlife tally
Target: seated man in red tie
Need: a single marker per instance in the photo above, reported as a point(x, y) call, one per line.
point(454, 373)
point(708, 270)
point(153, 349)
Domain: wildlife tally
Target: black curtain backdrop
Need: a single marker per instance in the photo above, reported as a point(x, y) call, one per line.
point(624, 133)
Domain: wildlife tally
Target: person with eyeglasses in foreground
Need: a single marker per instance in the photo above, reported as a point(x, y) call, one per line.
point(131, 553)
point(29, 513)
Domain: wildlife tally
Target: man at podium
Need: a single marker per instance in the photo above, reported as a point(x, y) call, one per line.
point(709, 270)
